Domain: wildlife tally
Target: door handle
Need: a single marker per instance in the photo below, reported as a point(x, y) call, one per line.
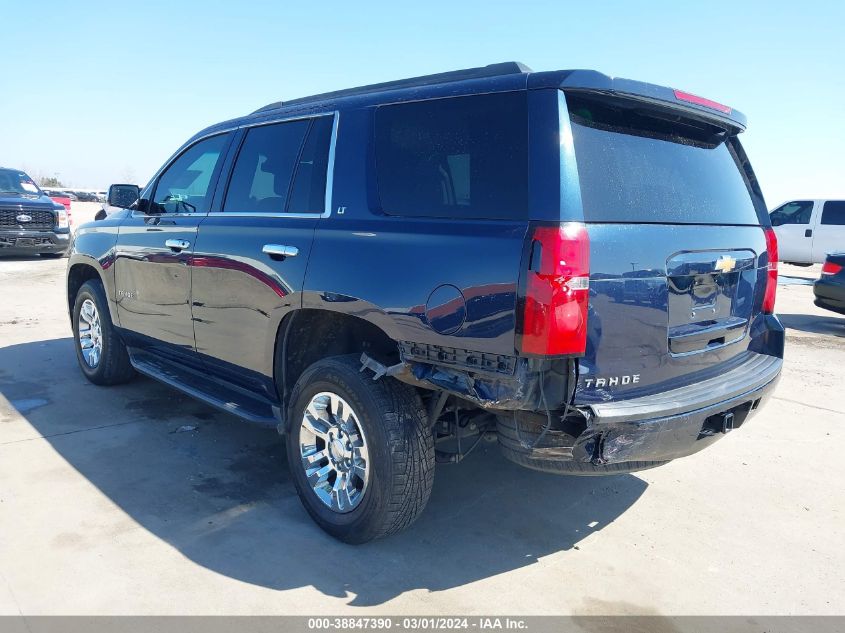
point(177, 245)
point(808, 233)
point(280, 251)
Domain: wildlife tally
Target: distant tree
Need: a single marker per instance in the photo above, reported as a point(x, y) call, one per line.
point(50, 181)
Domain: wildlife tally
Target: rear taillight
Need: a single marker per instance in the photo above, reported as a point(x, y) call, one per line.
point(771, 272)
point(557, 291)
point(829, 268)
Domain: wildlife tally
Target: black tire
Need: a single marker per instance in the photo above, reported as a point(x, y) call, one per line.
point(399, 441)
point(53, 255)
point(113, 366)
point(513, 450)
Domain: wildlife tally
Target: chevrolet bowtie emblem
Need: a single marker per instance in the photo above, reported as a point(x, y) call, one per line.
point(725, 264)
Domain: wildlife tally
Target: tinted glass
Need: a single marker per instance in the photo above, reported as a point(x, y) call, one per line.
point(465, 157)
point(834, 212)
point(16, 182)
point(637, 168)
point(792, 213)
point(308, 194)
point(264, 168)
point(186, 186)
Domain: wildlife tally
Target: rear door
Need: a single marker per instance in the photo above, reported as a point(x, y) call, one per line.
point(794, 225)
point(677, 252)
point(251, 255)
point(830, 231)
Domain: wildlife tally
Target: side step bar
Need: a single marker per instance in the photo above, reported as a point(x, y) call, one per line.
point(211, 392)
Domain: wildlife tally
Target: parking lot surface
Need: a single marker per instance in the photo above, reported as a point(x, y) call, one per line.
point(138, 500)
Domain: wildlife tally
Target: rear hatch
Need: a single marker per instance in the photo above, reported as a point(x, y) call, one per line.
point(677, 254)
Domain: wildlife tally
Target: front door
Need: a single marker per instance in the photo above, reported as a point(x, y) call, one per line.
point(794, 229)
point(250, 258)
point(153, 255)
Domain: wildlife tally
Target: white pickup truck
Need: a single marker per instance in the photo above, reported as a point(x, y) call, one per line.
point(807, 230)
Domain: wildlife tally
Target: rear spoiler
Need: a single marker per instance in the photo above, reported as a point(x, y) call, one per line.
point(592, 81)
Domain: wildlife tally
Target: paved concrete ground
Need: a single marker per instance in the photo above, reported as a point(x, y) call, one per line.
point(105, 508)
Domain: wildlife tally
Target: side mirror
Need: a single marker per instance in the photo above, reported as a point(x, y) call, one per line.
point(123, 196)
point(101, 215)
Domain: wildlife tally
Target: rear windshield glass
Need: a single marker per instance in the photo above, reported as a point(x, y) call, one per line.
point(638, 167)
point(464, 157)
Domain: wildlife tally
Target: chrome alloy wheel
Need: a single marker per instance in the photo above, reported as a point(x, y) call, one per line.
point(90, 333)
point(334, 452)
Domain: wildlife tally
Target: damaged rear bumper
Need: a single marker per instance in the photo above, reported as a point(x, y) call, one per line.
point(672, 424)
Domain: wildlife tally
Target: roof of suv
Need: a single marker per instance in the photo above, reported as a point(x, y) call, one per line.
point(491, 78)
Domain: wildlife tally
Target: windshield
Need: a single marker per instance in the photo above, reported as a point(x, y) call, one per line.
point(635, 167)
point(13, 181)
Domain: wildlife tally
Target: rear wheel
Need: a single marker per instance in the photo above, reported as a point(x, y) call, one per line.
point(360, 451)
point(101, 353)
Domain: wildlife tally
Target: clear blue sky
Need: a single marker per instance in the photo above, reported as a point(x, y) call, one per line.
point(100, 91)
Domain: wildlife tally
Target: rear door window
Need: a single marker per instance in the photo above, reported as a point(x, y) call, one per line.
point(834, 212)
point(462, 157)
point(799, 212)
point(281, 168)
point(264, 168)
point(637, 167)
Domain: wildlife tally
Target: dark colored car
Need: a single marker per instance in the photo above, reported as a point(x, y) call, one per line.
point(829, 289)
point(579, 265)
point(30, 222)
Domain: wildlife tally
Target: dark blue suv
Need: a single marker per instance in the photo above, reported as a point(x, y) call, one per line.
point(580, 266)
point(30, 222)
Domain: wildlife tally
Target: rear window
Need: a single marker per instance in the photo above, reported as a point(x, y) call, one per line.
point(834, 212)
point(463, 157)
point(638, 167)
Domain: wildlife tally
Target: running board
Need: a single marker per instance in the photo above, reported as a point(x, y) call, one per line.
point(224, 397)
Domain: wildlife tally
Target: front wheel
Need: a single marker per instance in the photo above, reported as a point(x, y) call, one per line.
point(101, 353)
point(360, 450)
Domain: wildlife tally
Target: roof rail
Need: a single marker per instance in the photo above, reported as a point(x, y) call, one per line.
point(491, 70)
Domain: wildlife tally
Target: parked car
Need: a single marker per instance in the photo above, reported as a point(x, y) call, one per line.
point(390, 273)
point(59, 196)
point(85, 196)
point(30, 222)
point(829, 289)
point(808, 230)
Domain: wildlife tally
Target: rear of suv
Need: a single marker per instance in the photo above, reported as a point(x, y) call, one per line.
point(30, 222)
point(578, 266)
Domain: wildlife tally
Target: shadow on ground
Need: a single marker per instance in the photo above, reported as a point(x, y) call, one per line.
point(827, 325)
point(222, 496)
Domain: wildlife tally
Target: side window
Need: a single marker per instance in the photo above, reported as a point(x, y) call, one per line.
point(834, 212)
point(792, 213)
point(186, 185)
point(281, 168)
point(462, 157)
point(308, 194)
